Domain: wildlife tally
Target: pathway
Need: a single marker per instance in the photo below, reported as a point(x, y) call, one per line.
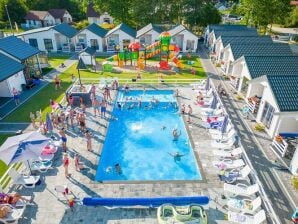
point(281, 196)
point(10, 105)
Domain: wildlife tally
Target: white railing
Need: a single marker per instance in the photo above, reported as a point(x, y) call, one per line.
point(280, 146)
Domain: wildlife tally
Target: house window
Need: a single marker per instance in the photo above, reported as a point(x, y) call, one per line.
point(125, 42)
point(267, 115)
point(33, 42)
point(94, 44)
point(190, 45)
point(48, 44)
point(107, 20)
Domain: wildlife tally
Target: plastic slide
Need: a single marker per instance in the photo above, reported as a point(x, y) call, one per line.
point(154, 48)
point(150, 202)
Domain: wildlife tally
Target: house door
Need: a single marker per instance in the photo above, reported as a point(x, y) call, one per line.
point(94, 44)
point(268, 113)
point(33, 42)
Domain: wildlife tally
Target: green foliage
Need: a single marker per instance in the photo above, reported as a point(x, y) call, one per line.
point(259, 127)
point(292, 20)
point(17, 10)
point(82, 24)
point(295, 182)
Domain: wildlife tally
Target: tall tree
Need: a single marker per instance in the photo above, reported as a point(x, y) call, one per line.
point(17, 10)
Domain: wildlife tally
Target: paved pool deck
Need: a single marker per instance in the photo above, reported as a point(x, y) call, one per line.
point(46, 207)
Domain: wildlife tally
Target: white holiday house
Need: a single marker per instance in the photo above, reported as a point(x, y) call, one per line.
point(186, 40)
point(148, 34)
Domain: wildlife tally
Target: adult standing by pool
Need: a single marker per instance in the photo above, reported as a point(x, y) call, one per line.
point(16, 96)
point(103, 109)
point(66, 164)
point(88, 140)
point(63, 139)
point(107, 93)
point(96, 106)
point(189, 113)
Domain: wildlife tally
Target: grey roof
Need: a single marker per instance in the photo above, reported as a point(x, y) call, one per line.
point(35, 30)
point(125, 28)
point(178, 29)
point(66, 30)
point(91, 12)
point(96, 29)
point(17, 48)
point(148, 28)
point(89, 50)
point(236, 33)
point(260, 49)
point(285, 90)
point(251, 39)
point(8, 67)
point(271, 65)
point(225, 27)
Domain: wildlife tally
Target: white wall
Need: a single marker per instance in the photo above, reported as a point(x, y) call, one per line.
point(106, 15)
point(4, 89)
point(288, 124)
point(123, 36)
point(95, 20)
point(40, 36)
point(49, 20)
point(150, 37)
point(14, 81)
point(191, 37)
point(67, 18)
point(243, 73)
point(89, 36)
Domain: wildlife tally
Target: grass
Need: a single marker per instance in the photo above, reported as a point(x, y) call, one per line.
point(41, 100)
point(54, 60)
point(3, 166)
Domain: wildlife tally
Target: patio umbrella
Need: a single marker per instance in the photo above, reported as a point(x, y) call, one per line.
point(214, 101)
point(207, 85)
point(224, 124)
point(23, 147)
point(49, 124)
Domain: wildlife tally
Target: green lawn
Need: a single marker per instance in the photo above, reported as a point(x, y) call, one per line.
point(55, 60)
point(3, 166)
point(41, 101)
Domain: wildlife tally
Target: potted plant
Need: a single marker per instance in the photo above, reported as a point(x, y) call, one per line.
point(259, 127)
point(295, 182)
point(239, 97)
point(278, 138)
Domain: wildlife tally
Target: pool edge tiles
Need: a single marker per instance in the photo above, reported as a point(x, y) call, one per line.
point(133, 147)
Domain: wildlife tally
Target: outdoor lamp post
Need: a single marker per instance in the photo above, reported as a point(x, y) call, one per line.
point(81, 65)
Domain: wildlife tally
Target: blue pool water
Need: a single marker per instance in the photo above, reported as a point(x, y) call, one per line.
point(137, 141)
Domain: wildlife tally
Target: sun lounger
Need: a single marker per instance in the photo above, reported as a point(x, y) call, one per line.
point(226, 164)
point(218, 132)
point(244, 205)
point(258, 218)
point(41, 166)
point(14, 215)
point(220, 136)
point(234, 153)
point(26, 181)
point(208, 113)
point(223, 145)
point(241, 189)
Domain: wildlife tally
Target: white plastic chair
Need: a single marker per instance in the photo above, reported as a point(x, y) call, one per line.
point(216, 112)
point(228, 164)
point(241, 189)
point(258, 218)
point(234, 153)
point(244, 205)
point(223, 145)
point(225, 137)
point(14, 215)
point(26, 181)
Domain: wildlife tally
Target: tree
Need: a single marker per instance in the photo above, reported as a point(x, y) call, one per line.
point(292, 20)
point(17, 10)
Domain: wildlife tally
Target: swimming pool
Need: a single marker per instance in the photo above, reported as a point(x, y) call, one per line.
point(140, 141)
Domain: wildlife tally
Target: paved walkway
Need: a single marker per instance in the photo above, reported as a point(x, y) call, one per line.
point(47, 209)
point(10, 105)
point(258, 151)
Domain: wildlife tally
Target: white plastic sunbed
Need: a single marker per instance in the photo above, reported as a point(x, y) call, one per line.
point(224, 145)
point(241, 174)
point(14, 215)
point(258, 218)
point(241, 189)
point(244, 205)
point(225, 137)
point(218, 132)
point(208, 113)
point(26, 181)
point(228, 164)
point(231, 153)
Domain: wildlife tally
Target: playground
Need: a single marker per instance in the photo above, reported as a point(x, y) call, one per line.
point(159, 57)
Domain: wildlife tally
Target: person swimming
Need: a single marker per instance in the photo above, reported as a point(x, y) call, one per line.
point(163, 127)
point(176, 134)
point(118, 168)
point(177, 156)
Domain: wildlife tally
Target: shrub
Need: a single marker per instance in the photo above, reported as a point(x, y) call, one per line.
point(81, 25)
point(295, 182)
point(239, 97)
point(259, 127)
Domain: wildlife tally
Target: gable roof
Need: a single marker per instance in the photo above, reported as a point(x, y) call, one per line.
point(252, 39)
point(148, 28)
point(91, 11)
point(36, 15)
point(8, 67)
point(57, 13)
point(271, 65)
point(236, 33)
point(260, 49)
point(89, 50)
point(285, 90)
point(178, 29)
point(125, 28)
point(17, 48)
point(66, 30)
point(94, 28)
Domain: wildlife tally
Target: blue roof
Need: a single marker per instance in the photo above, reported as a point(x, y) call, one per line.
point(99, 31)
point(285, 90)
point(271, 65)
point(260, 49)
point(225, 27)
point(125, 28)
point(17, 48)
point(66, 30)
point(236, 33)
point(251, 39)
point(148, 28)
point(8, 67)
